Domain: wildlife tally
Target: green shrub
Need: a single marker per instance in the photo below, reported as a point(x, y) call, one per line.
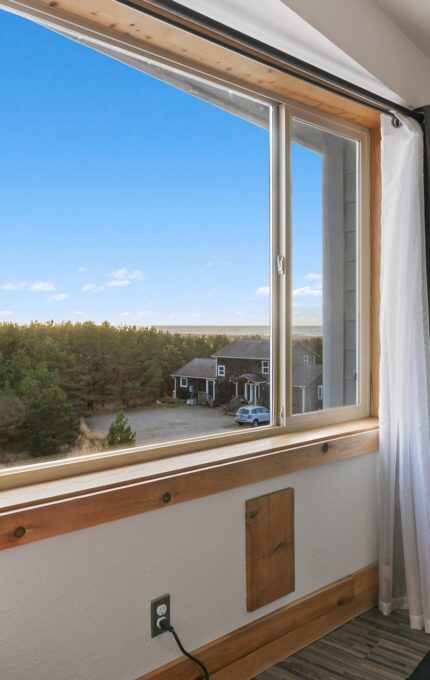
point(120, 431)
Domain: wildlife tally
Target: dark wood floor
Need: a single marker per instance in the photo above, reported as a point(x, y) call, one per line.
point(371, 647)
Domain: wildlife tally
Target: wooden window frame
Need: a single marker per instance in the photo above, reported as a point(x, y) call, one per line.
point(36, 500)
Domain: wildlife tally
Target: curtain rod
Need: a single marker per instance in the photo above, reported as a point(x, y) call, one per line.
point(218, 33)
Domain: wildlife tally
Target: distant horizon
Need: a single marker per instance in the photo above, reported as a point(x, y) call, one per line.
point(229, 325)
point(193, 329)
point(238, 329)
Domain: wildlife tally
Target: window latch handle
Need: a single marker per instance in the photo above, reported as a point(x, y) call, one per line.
point(280, 260)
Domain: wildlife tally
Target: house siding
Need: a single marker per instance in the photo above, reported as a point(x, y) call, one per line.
point(196, 385)
point(237, 367)
point(312, 403)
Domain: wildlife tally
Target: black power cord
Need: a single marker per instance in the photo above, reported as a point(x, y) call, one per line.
point(165, 626)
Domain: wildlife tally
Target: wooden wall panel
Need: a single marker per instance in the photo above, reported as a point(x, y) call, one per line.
point(269, 548)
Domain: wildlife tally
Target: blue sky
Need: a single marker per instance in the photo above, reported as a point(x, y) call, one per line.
point(125, 199)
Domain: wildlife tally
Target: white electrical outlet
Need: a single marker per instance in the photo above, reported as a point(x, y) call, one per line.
point(162, 609)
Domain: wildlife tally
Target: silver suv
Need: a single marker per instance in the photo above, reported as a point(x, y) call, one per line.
point(252, 415)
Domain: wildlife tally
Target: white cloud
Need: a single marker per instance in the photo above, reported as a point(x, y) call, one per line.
point(125, 274)
point(118, 283)
point(5, 312)
point(314, 290)
point(41, 286)
point(12, 285)
point(82, 269)
point(91, 287)
point(58, 298)
point(263, 290)
point(313, 277)
point(125, 314)
point(307, 291)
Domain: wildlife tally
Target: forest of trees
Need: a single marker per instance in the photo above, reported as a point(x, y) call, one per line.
point(53, 374)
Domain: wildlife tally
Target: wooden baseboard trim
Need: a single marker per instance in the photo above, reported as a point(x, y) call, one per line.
point(247, 651)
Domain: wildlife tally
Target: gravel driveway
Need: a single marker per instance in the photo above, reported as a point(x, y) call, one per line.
point(163, 424)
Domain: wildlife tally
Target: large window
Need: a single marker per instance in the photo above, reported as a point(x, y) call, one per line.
point(174, 250)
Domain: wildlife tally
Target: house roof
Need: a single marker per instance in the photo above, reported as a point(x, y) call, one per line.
point(245, 349)
point(304, 374)
point(251, 377)
point(197, 368)
point(296, 343)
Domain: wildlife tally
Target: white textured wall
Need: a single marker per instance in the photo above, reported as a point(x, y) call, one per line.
point(366, 34)
point(76, 607)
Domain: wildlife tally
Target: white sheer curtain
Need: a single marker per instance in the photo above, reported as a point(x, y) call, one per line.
point(404, 379)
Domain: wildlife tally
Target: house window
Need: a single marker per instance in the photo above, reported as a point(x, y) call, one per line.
point(221, 371)
point(265, 367)
point(306, 359)
point(184, 382)
point(320, 393)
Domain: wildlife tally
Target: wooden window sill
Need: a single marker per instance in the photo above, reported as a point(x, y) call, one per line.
point(41, 511)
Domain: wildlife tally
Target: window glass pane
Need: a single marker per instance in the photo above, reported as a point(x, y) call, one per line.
point(324, 261)
point(134, 289)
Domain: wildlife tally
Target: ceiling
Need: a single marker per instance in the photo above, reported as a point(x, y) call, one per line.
point(412, 17)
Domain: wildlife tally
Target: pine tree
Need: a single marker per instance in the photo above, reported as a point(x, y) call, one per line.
point(50, 422)
point(152, 379)
point(12, 410)
point(120, 431)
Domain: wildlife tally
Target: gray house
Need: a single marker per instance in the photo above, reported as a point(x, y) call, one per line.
point(245, 364)
point(307, 392)
point(307, 388)
point(241, 370)
point(199, 375)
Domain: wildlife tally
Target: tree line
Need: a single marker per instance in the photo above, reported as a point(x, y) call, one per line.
point(52, 374)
